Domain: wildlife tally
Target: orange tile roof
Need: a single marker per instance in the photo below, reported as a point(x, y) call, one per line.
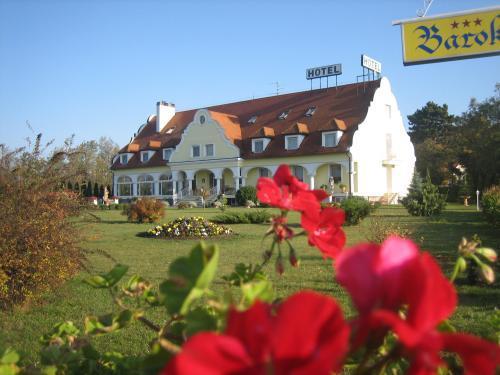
point(342, 108)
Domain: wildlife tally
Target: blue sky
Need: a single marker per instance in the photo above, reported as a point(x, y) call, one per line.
point(96, 68)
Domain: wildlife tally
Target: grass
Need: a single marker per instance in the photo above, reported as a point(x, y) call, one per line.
point(114, 240)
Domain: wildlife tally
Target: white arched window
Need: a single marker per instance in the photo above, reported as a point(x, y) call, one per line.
point(145, 185)
point(124, 184)
point(166, 187)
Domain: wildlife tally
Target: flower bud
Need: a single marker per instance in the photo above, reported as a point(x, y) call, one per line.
point(488, 253)
point(487, 273)
point(280, 267)
point(462, 264)
point(293, 258)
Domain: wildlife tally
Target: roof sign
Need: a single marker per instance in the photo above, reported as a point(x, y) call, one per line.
point(452, 36)
point(324, 71)
point(371, 64)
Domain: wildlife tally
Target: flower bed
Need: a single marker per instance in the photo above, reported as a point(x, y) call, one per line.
point(187, 227)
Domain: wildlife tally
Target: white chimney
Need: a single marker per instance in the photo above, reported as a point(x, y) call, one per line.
point(164, 113)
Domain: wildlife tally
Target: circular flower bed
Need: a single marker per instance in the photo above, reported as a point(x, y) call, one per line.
point(185, 227)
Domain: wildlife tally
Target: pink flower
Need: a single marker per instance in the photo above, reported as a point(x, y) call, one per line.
point(325, 230)
point(259, 342)
point(383, 279)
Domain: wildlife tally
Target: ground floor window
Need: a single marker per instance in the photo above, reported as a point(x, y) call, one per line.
point(264, 172)
point(124, 186)
point(145, 185)
point(336, 172)
point(166, 185)
point(298, 172)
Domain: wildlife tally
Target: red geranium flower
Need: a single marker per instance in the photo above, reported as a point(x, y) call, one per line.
point(307, 335)
point(325, 230)
point(286, 192)
point(383, 279)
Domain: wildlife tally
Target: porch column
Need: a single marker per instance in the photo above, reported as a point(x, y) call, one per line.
point(243, 181)
point(311, 181)
point(115, 186)
point(217, 184)
point(190, 185)
point(237, 183)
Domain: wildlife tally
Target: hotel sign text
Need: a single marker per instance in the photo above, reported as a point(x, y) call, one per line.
point(324, 71)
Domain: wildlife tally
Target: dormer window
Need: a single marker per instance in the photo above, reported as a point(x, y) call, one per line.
point(331, 139)
point(124, 159)
point(310, 111)
point(283, 115)
point(167, 153)
point(259, 145)
point(252, 120)
point(292, 142)
point(170, 131)
point(145, 156)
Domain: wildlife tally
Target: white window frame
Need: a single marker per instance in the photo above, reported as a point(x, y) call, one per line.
point(171, 152)
point(265, 142)
point(199, 151)
point(213, 150)
point(267, 172)
point(145, 153)
point(299, 137)
point(123, 156)
point(338, 135)
point(330, 174)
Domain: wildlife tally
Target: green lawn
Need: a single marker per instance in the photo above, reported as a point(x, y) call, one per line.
point(115, 240)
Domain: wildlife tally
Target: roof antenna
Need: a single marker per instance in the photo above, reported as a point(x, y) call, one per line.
point(278, 87)
point(423, 12)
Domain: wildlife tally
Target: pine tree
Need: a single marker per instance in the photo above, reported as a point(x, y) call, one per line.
point(69, 185)
point(101, 191)
point(111, 192)
point(96, 189)
point(88, 190)
point(423, 198)
point(77, 187)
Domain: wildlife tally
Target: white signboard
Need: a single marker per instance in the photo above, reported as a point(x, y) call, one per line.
point(371, 64)
point(324, 71)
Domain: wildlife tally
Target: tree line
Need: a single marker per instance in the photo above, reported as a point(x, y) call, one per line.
point(460, 153)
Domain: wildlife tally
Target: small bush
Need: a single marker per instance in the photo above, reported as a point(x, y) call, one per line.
point(145, 210)
point(187, 227)
point(356, 209)
point(251, 217)
point(246, 193)
point(379, 230)
point(423, 199)
point(187, 204)
point(491, 205)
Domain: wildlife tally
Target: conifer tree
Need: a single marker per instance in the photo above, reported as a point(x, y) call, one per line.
point(88, 190)
point(69, 185)
point(96, 189)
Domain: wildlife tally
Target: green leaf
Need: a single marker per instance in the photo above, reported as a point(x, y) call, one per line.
point(109, 279)
point(189, 278)
point(9, 357)
point(200, 319)
point(61, 333)
point(107, 323)
point(258, 290)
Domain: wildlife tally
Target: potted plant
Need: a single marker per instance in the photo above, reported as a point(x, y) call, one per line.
point(343, 188)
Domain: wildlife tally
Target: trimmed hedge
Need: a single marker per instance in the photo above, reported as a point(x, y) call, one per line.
point(356, 209)
point(250, 217)
point(246, 193)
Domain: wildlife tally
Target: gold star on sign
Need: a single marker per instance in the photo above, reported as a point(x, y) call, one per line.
point(454, 25)
point(477, 22)
point(466, 23)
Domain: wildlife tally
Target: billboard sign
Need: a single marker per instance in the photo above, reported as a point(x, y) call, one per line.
point(371, 64)
point(324, 71)
point(452, 36)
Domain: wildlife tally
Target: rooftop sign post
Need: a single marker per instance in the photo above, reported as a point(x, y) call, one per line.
point(324, 71)
point(452, 36)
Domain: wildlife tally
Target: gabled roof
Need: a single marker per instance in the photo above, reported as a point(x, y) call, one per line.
point(342, 108)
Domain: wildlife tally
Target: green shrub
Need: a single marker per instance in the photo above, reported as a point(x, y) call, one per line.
point(246, 193)
point(491, 204)
point(186, 204)
point(356, 209)
point(250, 217)
point(423, 199)
point(145, 210)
